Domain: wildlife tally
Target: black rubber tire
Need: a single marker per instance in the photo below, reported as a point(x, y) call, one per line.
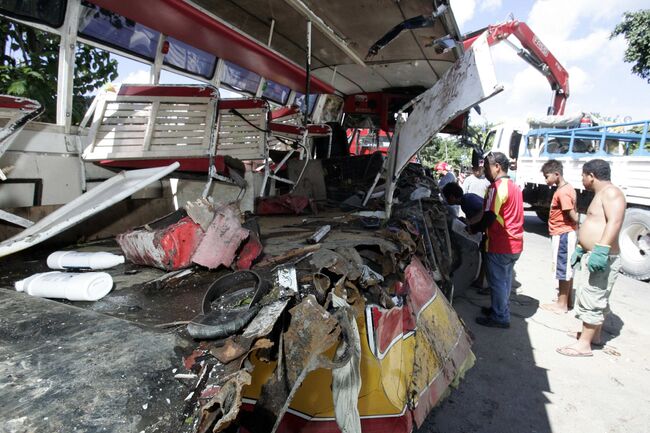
point(634, 241)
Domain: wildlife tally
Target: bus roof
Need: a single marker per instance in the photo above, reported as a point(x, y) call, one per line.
point(344, 31)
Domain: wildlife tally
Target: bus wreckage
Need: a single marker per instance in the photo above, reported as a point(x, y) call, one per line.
point(271, 282)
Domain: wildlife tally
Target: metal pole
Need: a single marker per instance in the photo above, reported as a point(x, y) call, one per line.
point(307, 74)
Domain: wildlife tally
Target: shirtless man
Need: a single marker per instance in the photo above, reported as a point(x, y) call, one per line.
point(595, 261)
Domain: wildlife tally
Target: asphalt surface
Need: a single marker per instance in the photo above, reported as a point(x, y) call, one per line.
point(520, 384)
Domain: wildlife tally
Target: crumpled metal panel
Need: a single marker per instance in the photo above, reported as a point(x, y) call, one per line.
point(468, 82)
point(221, 241)
point(438, 337)
point(168, 248)
point(311, 332)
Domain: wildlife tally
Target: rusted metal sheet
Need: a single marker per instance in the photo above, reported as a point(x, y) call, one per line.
point(168, 248)
point(220, 243)
point(441, 341)
point(223, 408)
point(311, 332)
point(468, 82)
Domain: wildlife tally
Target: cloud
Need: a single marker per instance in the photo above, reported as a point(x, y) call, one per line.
point(140, 76)
point(463, 10)
point(487, 5)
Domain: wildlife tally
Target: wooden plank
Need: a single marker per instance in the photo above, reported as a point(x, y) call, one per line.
point(176, 134)
point(180, 121)
point(179, 113)
point(118, 142)
point(111, 135)
point(125, 121)
point(122, 128)
point(190, 127)
point(127, 113)
point(186, 140)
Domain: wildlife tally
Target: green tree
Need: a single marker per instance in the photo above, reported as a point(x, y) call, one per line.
point(29, 68)
point(448, 149)
point(635, 28)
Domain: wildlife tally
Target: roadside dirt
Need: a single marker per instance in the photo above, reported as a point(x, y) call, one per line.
point(520, 384)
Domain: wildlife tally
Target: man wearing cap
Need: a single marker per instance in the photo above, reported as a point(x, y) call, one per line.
point(446, 176)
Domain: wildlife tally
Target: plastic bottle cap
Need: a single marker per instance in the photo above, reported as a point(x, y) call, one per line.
point(20, 285)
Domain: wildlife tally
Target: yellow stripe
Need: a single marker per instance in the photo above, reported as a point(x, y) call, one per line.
point(501, 197)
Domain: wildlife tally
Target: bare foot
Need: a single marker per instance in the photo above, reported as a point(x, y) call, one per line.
point(576, 335)
point(554, 308)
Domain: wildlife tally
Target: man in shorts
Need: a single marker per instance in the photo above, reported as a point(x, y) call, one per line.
point(596, 259)
point(562, 225)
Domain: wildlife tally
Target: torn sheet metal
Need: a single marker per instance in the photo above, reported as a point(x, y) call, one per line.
point(221, 241)
point(169, 248)
point(311, 332)
point(441, 341)
point(468, 82)
point(113, 190)
point(223, 408)
point(346, 380)
point(19, 111)
point(201, 211)
point(249, 252)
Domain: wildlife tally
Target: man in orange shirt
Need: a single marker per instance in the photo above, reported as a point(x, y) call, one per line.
point(562, 226)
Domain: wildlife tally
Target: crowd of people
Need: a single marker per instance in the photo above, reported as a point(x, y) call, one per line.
point(585, 254)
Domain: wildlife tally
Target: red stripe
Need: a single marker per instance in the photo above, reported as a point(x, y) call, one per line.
point(180, 91)
point(182, 21)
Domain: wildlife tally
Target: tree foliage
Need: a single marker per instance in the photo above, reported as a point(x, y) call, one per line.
point(29, 68)
point(455, 150)
point(447, 149)
point(635, 28)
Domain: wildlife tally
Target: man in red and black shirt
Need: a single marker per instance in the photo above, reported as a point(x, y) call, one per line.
point(503, 221)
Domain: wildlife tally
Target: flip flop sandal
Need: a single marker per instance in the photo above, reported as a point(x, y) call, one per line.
point(571, 352)
point(229, 305)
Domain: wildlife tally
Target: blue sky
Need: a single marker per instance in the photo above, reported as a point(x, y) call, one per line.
point(577, 33)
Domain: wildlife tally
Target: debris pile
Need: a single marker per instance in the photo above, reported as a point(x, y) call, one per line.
point(325, 296)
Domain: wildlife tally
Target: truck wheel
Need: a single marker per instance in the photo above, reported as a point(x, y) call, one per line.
point(634, 241)
point(542, 213)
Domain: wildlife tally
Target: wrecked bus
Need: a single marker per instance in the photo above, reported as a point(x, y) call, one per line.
point(271, 281)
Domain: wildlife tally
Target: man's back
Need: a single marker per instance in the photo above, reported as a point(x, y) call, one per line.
point(476, 185)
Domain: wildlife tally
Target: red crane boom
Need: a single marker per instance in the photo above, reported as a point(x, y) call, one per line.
point(534, 52)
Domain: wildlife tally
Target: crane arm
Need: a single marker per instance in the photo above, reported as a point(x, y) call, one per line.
point(533, 52)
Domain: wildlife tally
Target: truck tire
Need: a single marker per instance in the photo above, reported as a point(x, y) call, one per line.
point(634, 241)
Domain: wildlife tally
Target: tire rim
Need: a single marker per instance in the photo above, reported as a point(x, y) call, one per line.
point(635, 243)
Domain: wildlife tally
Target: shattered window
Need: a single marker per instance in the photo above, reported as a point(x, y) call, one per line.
point(276, 92)
point(240, 78)
point(48, 12)
point(189, 59)
point(116, 31)
point(300, 102)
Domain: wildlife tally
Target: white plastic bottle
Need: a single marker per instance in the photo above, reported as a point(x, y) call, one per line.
point(79, 260)
point(85, 286)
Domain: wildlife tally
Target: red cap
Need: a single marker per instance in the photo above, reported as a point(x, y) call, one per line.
point(442, 166)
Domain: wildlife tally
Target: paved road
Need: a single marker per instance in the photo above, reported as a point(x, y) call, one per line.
point(521, 385)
